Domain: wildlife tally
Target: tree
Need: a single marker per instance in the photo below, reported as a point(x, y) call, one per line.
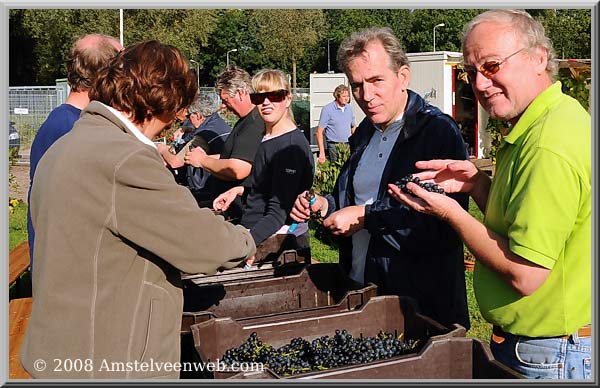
point(186, 29)
point(55, 31)
point(569, 30)
point(286, 34)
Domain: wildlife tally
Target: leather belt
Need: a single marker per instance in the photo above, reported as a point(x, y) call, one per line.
point(337, 142)
point(498, 335)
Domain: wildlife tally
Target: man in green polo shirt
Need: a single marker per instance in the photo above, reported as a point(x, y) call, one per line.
point(533, 281)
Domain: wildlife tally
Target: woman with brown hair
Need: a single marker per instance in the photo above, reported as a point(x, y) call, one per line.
point(283, 166)
point(109, 219)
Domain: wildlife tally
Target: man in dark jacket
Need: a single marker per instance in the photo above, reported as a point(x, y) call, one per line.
point(382, 241)
point(209, 132)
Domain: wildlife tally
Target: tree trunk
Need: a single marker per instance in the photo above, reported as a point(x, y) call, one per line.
point(294, 74)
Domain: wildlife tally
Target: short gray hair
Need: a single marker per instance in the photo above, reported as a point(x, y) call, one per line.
point(204, 105)
point(531, 31)
point(356, 44)
point(233, 79)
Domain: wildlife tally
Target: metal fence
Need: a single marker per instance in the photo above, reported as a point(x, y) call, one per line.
point(29, 106)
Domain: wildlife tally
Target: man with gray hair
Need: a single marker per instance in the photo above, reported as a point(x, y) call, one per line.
point(235, 162)
point(533, 278)
point(205, 129)
point(382, 241)
point(336, 124)
point(88, 55)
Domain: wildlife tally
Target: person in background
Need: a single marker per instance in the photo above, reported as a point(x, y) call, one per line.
point(402, 251)
point(88, 55)
point(109, 219)
point(209, 132)
point(235, 162)
point(283, 166)
point(336, 123)
point(533, 274)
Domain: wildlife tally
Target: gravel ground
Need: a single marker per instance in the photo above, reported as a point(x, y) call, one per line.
point(19, 189)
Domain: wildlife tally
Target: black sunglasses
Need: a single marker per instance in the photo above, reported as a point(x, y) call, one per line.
point(488, 68)
point(274, 96)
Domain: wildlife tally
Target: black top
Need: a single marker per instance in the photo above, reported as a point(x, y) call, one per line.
point(283, 168)
point(242, 143)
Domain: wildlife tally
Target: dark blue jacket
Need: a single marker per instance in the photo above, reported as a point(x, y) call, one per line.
point(410, 253)
point(211, 136)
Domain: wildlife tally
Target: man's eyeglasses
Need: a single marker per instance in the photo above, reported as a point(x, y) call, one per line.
point(274, 96)
point(488, 68)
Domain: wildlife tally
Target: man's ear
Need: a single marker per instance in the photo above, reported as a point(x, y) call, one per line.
point(404, 76)
point(540, 57)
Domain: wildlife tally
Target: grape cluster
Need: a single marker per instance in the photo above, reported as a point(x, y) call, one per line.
point(322, 353)
point(429, 186)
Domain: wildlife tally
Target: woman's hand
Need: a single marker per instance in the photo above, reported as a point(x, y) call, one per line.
point(302, 208)
point(222, 202)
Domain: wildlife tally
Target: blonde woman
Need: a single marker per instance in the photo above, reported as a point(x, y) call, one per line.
point(283, 166)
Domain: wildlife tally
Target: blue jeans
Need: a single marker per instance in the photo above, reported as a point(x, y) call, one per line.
point(546, 358)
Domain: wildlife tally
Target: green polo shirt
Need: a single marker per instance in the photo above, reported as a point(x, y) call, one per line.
point(540, 199)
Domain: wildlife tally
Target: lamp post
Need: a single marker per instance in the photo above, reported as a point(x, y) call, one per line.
point(328, 60)
point(230, 51)
point(437, 25)
point(197, 72)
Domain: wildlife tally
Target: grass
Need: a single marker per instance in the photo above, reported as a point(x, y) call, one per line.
point(17, 226)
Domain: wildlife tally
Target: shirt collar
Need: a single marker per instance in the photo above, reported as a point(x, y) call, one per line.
point(535, 109)
point(396, 124)
point(131, 126)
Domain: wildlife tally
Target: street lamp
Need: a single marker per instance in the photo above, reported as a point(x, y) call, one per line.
point(437, 25)
point(328, 61)
point(197, 72)
point(230, 51)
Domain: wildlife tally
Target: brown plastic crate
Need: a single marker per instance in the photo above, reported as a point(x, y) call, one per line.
point(316, 287)
point(450, 358)
point(389, 313)
point(288, 263)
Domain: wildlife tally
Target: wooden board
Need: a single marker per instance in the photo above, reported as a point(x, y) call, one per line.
point(18, 316)
point(18, 262)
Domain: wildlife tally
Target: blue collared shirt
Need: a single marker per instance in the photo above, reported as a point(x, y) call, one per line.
point(337, 122)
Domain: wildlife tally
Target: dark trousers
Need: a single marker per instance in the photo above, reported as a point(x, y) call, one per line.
point(332, 151)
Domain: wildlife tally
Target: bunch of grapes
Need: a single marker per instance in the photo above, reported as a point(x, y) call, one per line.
point(429, 186)
point(322, 353)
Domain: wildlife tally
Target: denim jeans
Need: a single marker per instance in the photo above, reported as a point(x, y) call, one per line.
point(546, 358)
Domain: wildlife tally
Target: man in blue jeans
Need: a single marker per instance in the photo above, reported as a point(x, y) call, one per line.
point(336, 123)
point(87, 56)
point(533, 274)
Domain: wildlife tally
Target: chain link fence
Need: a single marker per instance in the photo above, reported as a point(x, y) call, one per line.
point(29, 106)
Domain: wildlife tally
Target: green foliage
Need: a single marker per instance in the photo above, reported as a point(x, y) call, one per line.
point(17, 224)
point(326, 173)
point(301, 110)
point(55, 31)
point(187, 29)
point(293, 40)
point(576, 83)
point(285, 34)
point(480, 328)
point(495, 128)
point(325, 176)
point(320, 251)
